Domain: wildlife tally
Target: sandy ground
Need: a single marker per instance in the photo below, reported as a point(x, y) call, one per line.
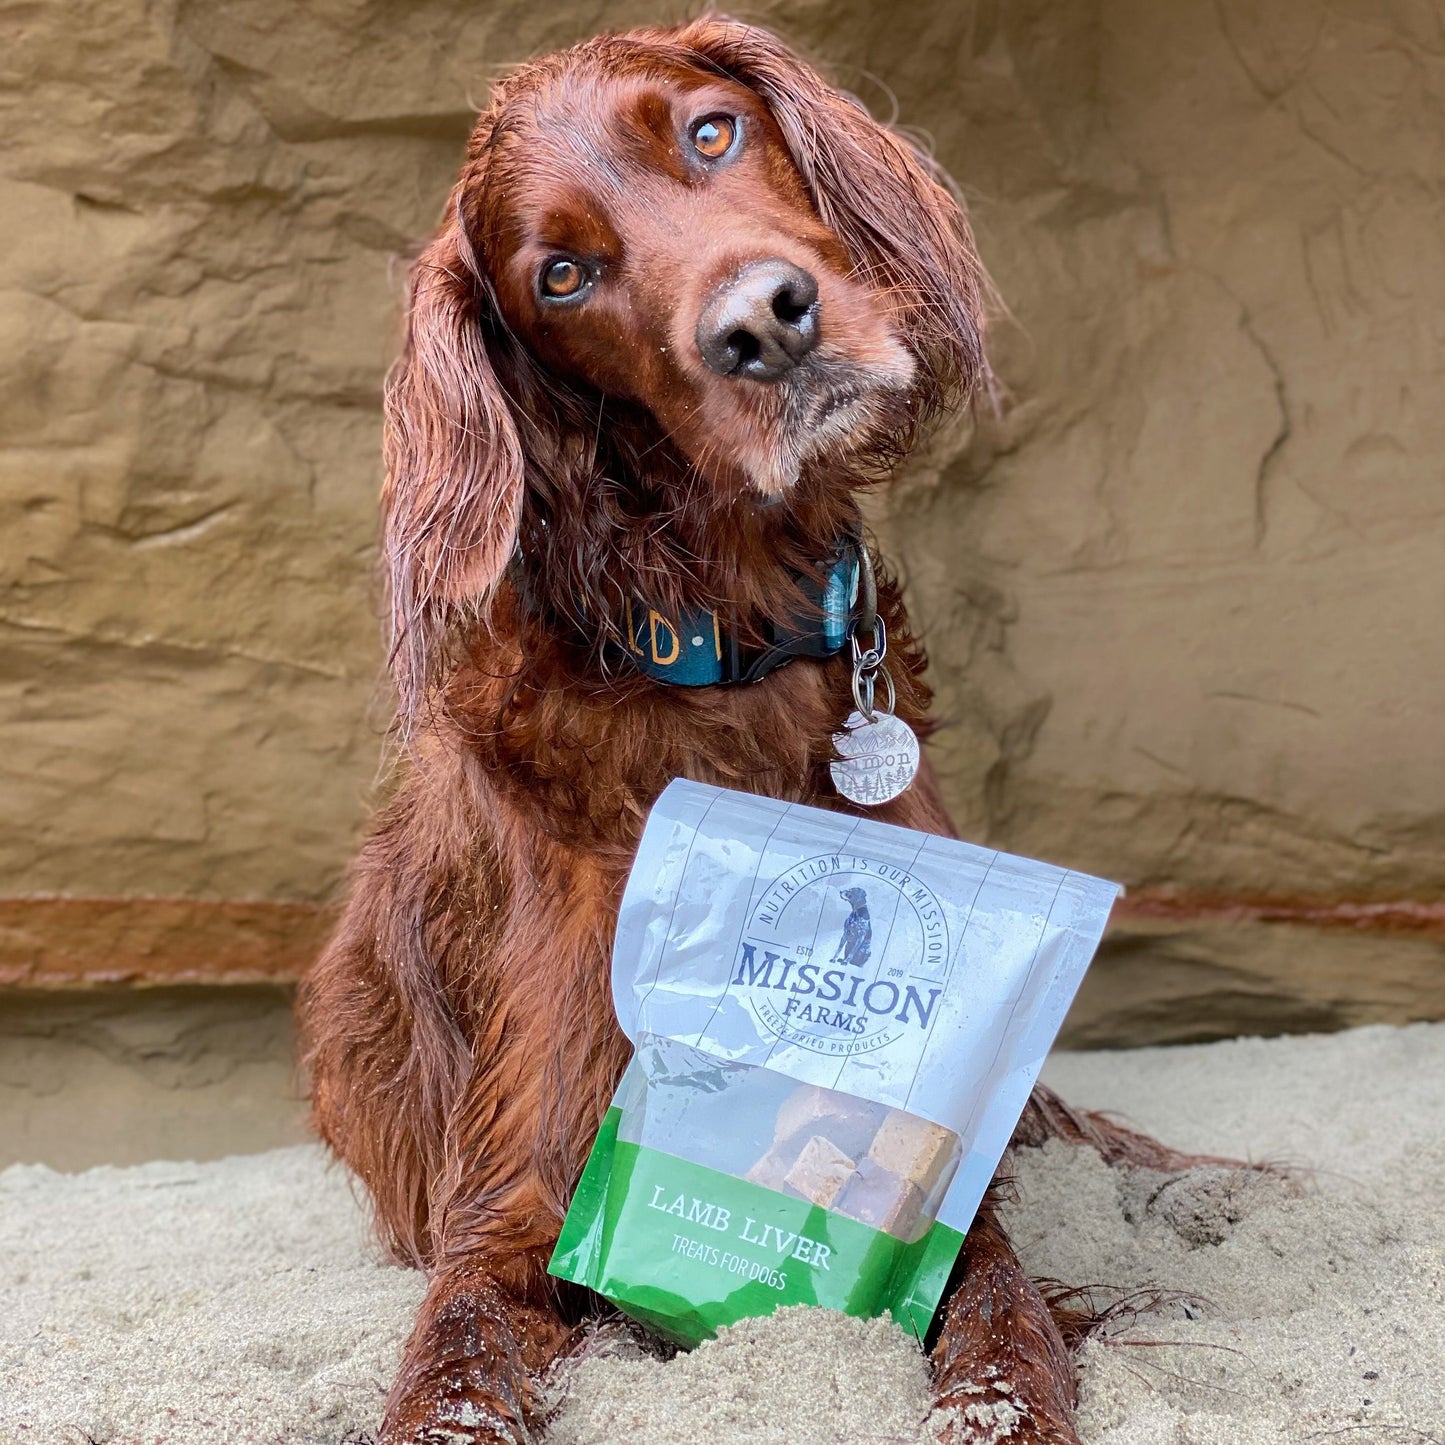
point(240, 1301)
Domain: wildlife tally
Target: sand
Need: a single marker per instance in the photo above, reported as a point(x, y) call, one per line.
point(241, 1300)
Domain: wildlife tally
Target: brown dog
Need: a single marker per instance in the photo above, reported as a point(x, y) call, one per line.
point(686, 300)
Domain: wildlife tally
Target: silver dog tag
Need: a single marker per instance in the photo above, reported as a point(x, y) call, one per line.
point(876, 760)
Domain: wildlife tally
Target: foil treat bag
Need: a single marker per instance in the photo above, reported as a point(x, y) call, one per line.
point(837, 1025)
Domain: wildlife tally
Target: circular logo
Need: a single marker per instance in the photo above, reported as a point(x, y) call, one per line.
point(843, 955)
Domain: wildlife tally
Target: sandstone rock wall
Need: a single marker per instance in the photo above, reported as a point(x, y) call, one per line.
point(1185, 595)
point(120, 1076)
point(1188, 598)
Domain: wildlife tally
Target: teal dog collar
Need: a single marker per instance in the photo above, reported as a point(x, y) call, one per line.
point(696, 649)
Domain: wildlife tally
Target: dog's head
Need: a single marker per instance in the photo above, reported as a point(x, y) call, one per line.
point(687, 228)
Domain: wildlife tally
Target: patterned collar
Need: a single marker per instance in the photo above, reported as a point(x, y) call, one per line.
point(697, 649)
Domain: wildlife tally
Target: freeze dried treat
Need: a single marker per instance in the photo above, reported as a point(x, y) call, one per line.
point(904, 1159)
point(882, 1200)
point(805, 1105)
point(821, 1171)
point(849, 1122)
point(852, 1131)
point(913, 1149)
point(772, 1169)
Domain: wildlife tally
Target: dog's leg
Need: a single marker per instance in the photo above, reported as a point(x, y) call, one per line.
point(1046, 1116)
point(486, 1330)
point(1001, 1369)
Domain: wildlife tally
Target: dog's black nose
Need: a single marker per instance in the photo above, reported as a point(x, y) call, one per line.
point(761, 323)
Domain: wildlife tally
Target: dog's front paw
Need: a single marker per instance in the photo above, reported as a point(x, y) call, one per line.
point(450, 1419)
point(992, 1412)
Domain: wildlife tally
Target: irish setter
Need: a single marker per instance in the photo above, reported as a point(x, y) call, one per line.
point(686, 300)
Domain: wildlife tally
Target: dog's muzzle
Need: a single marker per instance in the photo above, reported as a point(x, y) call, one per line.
point(761, 323)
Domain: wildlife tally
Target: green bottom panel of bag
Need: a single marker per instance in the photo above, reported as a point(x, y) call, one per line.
point(686, 1249)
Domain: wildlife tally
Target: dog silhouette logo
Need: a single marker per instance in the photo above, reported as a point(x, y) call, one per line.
point(855, 947)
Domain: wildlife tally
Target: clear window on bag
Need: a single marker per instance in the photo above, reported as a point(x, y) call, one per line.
point(880, 1166)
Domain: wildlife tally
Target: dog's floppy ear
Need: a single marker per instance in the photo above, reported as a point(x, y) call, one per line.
point(454, 475)
point(902, 228)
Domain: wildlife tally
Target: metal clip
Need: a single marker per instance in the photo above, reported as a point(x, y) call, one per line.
point(868, 661)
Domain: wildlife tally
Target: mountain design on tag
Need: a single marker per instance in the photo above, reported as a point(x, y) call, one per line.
point(876, 760)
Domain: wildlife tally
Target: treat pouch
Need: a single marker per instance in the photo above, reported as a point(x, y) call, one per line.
point(838, 1023)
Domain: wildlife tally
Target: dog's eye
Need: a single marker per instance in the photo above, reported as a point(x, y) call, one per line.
point(563, 278)
point(713, 137)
